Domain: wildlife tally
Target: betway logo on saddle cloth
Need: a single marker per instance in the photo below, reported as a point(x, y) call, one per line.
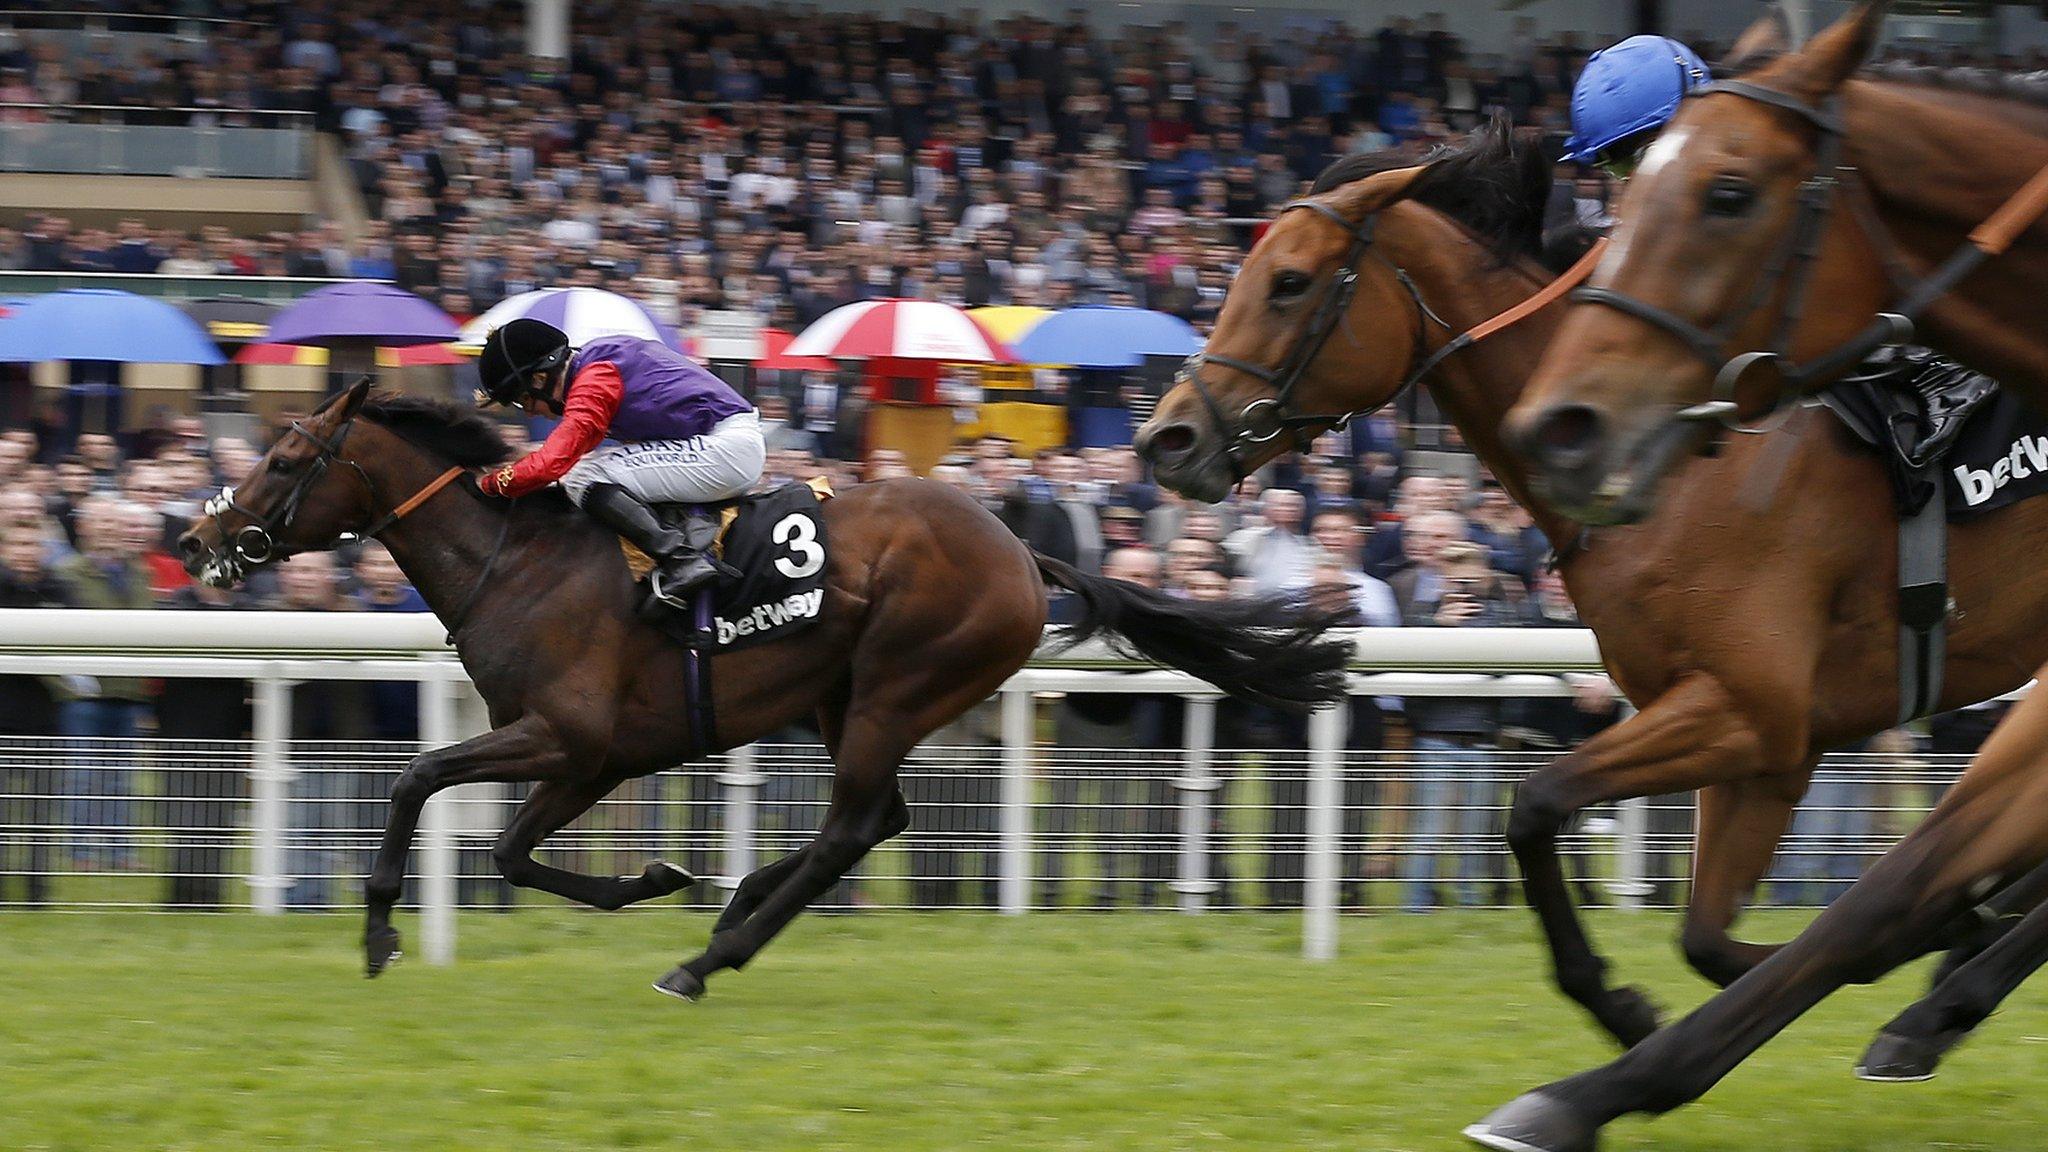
point(802, 606)
point(2001, 458)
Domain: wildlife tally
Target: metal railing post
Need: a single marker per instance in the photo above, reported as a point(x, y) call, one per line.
point(1196, 784)
point(1631, 857)
point(1319, 901)
point(741, 786)
point(269, 773)
point(437, 829)
point(1014, 889)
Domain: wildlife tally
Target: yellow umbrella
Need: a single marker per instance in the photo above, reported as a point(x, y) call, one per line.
point(1009, 322)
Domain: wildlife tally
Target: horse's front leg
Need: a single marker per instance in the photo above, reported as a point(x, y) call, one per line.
point(1693, 736)
point(522, 750)
point(550, 806)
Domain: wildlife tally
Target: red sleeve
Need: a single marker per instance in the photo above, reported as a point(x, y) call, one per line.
point(586, 416)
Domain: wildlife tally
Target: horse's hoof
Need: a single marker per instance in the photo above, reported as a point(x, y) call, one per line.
point(1894, 1058)
point(668, 877)
point(680, 984)
point(1630, 1016)
point(380, 950)
point(1534, 1122)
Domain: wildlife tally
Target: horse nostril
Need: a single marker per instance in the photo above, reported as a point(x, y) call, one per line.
point(1168, 443)
point(1566, 436)
point(189, 546)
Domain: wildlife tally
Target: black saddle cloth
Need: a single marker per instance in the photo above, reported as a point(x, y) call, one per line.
point(1940, 427)
point(777, 542)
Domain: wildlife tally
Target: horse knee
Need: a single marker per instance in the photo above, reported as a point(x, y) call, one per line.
point(412, 788)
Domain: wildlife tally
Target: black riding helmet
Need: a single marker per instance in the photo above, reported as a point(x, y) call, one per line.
point(514, 352)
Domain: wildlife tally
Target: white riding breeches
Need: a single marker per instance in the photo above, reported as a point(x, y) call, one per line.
point(719, 465)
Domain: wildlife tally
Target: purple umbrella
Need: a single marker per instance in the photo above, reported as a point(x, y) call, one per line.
point(362, 312)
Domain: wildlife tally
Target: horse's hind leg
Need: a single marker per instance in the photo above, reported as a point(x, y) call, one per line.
point(1972, 982)
point(518, 751)
point(867, 808)
point(550, 806)
point(757, 885)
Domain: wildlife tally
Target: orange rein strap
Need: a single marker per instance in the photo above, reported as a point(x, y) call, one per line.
point(1551, 294)
point(2013, 217)
point(1572, 278)
point(418, 498)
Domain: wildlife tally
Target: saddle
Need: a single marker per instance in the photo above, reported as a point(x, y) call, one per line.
point(1913, 408)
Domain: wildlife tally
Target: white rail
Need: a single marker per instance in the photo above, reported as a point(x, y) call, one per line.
point(276, 649)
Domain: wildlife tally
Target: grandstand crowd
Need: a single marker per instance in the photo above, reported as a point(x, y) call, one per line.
point(762, 159)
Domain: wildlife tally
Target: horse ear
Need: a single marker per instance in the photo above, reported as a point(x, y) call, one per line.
point(1837, 51)
point(1361, 198)
point(352, 400)
point(1769, 37)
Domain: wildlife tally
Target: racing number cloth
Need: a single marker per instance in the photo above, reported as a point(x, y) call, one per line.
point(778, 544)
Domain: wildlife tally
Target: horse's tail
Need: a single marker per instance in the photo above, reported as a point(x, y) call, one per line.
point(1268, 649)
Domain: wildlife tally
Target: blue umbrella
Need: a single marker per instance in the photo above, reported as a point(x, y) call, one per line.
point(104, 324)
point(1104, 336)
point(362, 312)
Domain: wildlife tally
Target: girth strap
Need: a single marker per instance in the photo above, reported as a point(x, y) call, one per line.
point(1923, 607)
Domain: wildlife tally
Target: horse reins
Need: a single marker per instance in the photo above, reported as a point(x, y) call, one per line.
point(1796, 258)
point(1267, 417)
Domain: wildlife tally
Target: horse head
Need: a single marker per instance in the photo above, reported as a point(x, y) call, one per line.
point(1742, 251)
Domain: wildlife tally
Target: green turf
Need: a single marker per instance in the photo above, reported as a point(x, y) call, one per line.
point(900, 1032)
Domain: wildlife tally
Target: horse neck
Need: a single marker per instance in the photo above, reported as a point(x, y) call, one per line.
point(443, 545)
point(1467, 284)
point(1938, 162)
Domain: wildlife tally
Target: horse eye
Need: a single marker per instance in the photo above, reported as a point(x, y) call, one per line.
point(1290, 284)
point(280, 465)
point(1730, 196)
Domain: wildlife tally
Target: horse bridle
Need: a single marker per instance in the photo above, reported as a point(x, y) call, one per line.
point(1796, 258)
point(256, 543)
point(1262, 420)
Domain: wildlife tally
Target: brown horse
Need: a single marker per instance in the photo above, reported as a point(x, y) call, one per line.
point(1782, 211)
point(930, 604)
point(1776, 644)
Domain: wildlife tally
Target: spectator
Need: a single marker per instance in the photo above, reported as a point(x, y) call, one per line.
point(1457, 795)
point(329, 795)
point(102, 716)
point(28, 712)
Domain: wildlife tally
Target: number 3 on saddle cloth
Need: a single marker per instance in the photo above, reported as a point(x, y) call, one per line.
point(776, 541)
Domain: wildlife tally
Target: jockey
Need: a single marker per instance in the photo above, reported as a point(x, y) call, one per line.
point(1624, 96)
point(685, 437)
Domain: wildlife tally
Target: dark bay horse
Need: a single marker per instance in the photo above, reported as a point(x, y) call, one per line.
point(1751, 619)
point(1769, 226)
point(930, 605)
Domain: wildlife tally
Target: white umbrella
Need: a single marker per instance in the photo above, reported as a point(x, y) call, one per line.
point(584, 313)
point(899, 329)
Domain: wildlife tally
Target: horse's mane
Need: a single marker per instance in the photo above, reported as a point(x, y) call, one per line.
point(461, 435)
point(1496, 182)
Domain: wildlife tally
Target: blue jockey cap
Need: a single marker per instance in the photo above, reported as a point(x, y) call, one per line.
point(1632, 87)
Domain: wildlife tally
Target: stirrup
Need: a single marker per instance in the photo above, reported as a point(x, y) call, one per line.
point(677, 599)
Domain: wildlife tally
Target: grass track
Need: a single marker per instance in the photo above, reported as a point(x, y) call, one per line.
point(899, 1033)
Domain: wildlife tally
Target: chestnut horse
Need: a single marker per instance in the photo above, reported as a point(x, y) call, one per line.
point(1806, 215)
point(1778, 642)
point(930, 605)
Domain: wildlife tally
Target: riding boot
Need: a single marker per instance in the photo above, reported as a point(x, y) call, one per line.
point(682, 557)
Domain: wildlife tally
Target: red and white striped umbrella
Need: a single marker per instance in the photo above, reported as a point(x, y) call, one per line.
point(902, 329)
